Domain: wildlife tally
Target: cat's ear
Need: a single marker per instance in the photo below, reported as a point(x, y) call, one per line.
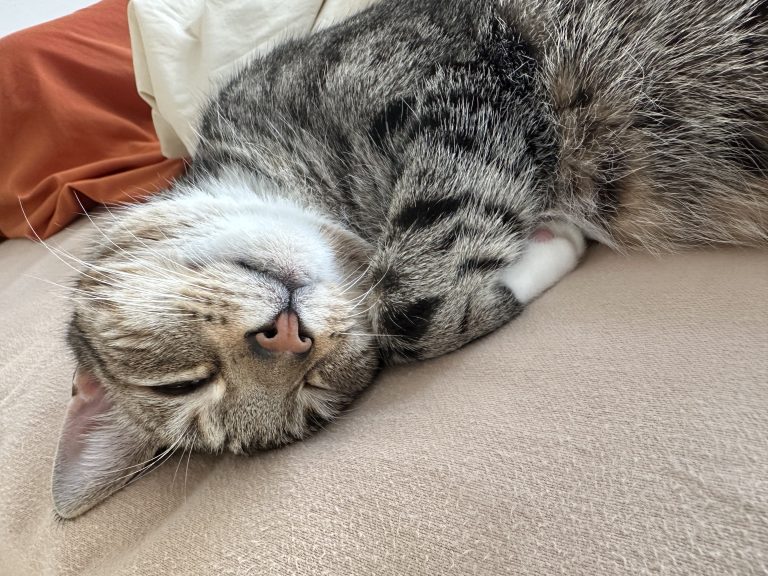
point(96, 455)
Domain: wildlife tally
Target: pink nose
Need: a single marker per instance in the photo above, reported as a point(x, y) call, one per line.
point(284, 336)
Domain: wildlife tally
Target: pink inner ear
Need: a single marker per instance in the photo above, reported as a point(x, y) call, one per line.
point(88, 402)
point(86, 384)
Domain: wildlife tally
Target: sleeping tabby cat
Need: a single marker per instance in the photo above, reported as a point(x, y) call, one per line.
point(391, 189)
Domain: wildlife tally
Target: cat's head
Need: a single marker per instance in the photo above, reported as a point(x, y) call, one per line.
point(217, 318)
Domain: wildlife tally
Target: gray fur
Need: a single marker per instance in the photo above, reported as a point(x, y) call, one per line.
point(644, 124)
point(423, 142)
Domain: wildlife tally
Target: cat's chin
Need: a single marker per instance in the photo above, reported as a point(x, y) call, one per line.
point(240, 215)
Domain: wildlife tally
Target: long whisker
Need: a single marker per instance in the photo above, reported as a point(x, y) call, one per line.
point(153, 251)
point(362, 297)
point(165, 272)
point(146, 463)
point(155, 465)
point(186, 471)
point(373, 334)
point(173, 480)
point(358, 279)
point(47, 247)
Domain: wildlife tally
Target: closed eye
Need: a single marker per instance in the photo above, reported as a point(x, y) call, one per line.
point(183, 387)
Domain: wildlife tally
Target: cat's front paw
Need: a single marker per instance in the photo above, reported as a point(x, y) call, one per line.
point(554, 249)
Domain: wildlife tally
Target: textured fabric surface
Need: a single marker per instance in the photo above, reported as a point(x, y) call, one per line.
point(619, 426)
point(183, 49)
point(74, 130)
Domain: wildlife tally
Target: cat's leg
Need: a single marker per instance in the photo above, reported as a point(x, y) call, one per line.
point(554, 249)
point(433, 293)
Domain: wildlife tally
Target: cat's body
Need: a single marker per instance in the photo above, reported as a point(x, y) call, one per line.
point(644, 127)
point(371, 193)
point(648, 123)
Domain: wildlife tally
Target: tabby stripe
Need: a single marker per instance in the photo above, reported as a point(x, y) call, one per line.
point(509, 218)
point(465, 318)
point(757, 15)
point(411, 322)
point(425, 213)
point(750, 153)
point(480, 265)
point(385, 279)
point(392, 118)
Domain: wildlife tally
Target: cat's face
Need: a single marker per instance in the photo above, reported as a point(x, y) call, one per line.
point(214, 319)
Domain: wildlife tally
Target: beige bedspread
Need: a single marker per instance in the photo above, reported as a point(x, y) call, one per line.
point(620, 426)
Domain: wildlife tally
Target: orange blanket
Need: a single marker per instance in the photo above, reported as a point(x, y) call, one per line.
point(73, 128)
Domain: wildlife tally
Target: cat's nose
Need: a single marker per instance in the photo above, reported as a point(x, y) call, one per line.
point(283, 336)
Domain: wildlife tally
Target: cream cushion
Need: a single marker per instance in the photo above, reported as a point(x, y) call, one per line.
point(619, 426)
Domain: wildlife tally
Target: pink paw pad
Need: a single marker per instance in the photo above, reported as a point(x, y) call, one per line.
point(542, 235)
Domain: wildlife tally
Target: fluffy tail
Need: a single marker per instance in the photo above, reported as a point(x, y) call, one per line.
point(663, 116)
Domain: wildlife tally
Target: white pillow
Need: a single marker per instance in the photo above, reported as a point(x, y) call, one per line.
point(183, 49)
